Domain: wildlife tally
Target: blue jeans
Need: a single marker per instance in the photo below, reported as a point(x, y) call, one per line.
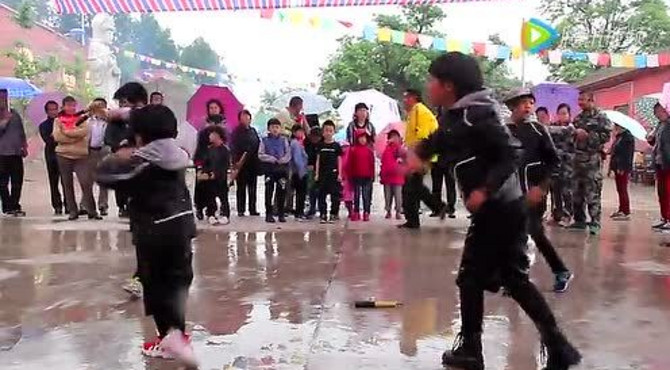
point(362, 188)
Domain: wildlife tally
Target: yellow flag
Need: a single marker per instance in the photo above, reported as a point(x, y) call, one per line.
point(629, 60)
point(517, 51)
point(453, 45)
point(384, 34)
point(296, 18)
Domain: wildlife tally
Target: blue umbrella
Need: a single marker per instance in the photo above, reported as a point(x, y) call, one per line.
point(18, 88)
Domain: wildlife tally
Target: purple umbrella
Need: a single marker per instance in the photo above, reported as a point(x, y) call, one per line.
point(35, 110)
point(550, 95)
point(196, 111)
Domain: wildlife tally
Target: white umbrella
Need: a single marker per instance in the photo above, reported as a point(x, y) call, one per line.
point(628, 123)
point(312, 103)
point(383, 109)
point(187, 137)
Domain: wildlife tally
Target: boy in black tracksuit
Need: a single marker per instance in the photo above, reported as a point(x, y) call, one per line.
point(539, 161)
point(162, 223)
point(312, 143)
point(329, 174)
point(485, 157)
point(215, 164)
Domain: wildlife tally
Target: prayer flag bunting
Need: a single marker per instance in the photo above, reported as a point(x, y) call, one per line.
point(384, 34)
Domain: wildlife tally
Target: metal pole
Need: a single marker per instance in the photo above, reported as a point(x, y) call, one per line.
point(523, 68)
point(83, 30)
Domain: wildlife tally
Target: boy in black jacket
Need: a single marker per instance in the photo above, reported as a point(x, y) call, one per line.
point(213, 175)
point(539, 161)
point(485, 156)
point(162, 225)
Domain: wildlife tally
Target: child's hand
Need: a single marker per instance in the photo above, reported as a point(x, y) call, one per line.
point(339, 178)
point(475, 200)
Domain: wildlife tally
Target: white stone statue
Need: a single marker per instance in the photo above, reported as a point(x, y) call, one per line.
point(104, 72)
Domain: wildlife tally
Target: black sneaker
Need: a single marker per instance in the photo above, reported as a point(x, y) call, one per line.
point(240, 214)
point(83, 212)
point(19, 213)
point(282, 218)
point(199, 214)
point(561, 355)
point(269, 219)
point(562, 281)
point(95, 217)
point(103, 212)
point(407, 225)
point(334, 218)
point(254, 213)
point(466, 353)
point(324, 220)
point(58, 211)
point(73, 217)
point(123, 213)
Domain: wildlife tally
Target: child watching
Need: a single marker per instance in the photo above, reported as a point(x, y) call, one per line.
point(275, 155)
point(312, 150)
point(213, 176)
point(328, 174)
point(392, 173)
point(162, 223)
point(361, 172)
point(347, 186)
point(299, 170)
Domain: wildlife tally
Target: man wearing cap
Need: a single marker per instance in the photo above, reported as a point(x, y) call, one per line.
point(539, 161)
point(592, 132)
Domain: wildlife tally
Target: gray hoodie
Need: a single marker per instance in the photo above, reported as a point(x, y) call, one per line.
point(164, 153)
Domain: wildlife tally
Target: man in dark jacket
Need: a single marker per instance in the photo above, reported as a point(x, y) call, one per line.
point(486, 155)
point(621, 164)
point(162, 224)
point(13, 148)
point(46, 132)
point(245, 142)
point(539, 161)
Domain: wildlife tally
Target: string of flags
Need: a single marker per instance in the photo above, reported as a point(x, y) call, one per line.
point(202, 72)
point(483, 49)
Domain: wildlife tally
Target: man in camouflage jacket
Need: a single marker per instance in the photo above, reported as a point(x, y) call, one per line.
point(563, 134)
point(592, 132)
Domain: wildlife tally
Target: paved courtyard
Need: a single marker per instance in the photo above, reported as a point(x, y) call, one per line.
point(280, 296)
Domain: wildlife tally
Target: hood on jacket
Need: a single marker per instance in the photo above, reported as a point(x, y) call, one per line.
point(164, 153)
point(477, 98)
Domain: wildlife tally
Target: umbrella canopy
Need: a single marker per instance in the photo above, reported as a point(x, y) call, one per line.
point(196, 110)
point(383, 109)
point(187, 137)
point(35, 109)
point(380, 140)
point(18, 88)
point(312, 103)
point(550, 95)
point(628, 123)
point(644, 109)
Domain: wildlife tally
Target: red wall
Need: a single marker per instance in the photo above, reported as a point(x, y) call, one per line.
point(628, 92)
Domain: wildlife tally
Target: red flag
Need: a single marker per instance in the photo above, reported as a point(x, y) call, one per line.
point(664, 59)
point(267, 13)
point(411, 39)
point(479, 48)
point(604, 60)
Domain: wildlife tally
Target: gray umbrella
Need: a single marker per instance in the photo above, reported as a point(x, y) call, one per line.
point(312, 103)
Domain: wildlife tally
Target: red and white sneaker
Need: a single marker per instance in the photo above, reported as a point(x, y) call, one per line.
point(178, 345)
point(154, 349)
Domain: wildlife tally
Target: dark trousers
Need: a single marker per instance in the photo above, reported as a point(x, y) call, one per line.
point(11, 182)
point(300, 187)
point(329, 186)
point(166, 274)
point(444, 174)
point(214, 189)
point(537, 233)
point(413, 193)
point(121, 199)
point(247, 182)
point(663, 189)
point(199, 196)
point(275, 185)
point(362, 189)
point(54, 180)
point(621, 181)
point(494, 256)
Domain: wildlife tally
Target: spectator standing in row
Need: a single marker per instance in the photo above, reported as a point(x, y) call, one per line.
point(393, 173)
point(361, 172)
point(299, 170)
point(97, 150)
point(563, 135)
point(156, 98)
point(329, 174)
point(215, 117)
point(72, 135)
point(361, 122)
point(660, 140)
point(213, 173)
point(13, 148)
point(621, 164)
point(245, 143)
point(442, 172)
point(275, 155)
point(291, 116)
point(543, 117)
point(420, 124)
point(46, 129)
point(312, 143)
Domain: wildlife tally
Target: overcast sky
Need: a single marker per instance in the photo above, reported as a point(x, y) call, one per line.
point(253, 47)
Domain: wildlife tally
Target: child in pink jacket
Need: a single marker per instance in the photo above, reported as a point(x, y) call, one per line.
point(393, 172)
point(347, 186)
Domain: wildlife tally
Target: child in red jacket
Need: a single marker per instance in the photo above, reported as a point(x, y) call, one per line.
point(393, 172)
point(361, 172)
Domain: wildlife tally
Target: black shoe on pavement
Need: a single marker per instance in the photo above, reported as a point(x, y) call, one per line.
point(282, 218)
point(199, 214)
point(561, 355)
point(466, 353)
point(407, 225)
point(324, 220)
point(73, 217)
point(82, 212)
point(123, 213)
point(254, 213)
point(95, 217)
point(19, 213)
point(103, 212)
point(269, 219)
point(562, 281)
point(58, 211)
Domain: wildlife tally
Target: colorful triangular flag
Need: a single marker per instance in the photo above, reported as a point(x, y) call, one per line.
point(640, 61)
point(652, 60)
point(426, 41)
point(369, 33)
point(384, 34)
point(555, 56)
point(397, 37)
point(593, 58)
point(439, 44)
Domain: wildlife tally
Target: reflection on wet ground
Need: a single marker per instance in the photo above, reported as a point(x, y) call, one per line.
point(281, 299)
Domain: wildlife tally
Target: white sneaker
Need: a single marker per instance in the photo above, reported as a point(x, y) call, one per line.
point(224, 220)
point(176, 344)
point(134, 287)
point(212, 220)
point(154, 349)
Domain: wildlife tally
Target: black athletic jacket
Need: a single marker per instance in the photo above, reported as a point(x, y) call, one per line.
point(540, 158)
point(485, 155)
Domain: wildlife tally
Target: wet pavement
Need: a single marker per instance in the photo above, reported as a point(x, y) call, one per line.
point(280, 297)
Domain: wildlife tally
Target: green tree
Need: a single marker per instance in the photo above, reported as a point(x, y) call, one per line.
point(613, 26)
point(199, 54)
point(29, 67)
point(25, 14)
point(392, 68)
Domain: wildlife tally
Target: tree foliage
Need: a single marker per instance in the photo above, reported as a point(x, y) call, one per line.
point(199, 54)
point(613, 26)
point(392, 68)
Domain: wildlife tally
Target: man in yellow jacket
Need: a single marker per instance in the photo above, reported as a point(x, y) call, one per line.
point(420, 124)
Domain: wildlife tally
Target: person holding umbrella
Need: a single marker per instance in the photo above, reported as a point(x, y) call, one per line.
point(215, 117)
